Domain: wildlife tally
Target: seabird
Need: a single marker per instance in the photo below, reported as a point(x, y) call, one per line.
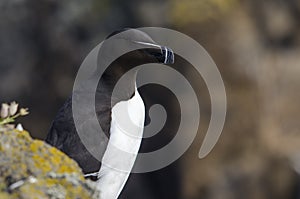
point(63, 134)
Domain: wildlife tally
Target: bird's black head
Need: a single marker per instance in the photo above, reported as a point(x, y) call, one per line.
point(149, 50)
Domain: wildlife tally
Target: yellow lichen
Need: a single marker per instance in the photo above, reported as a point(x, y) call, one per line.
point(22, 157)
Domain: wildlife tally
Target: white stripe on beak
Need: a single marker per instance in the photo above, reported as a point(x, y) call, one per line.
point(166, 54)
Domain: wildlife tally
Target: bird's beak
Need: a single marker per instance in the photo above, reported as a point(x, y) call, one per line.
point(167, 55)
point(162, 54)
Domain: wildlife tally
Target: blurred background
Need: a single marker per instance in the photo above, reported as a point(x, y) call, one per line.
point(255, 44)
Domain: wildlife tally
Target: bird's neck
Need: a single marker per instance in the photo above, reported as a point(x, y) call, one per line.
point(127, 82)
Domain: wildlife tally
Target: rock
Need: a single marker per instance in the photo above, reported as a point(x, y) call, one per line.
point(33, 169)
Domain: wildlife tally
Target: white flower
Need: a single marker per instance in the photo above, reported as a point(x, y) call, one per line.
point(13, 108)
point(4, 110)
point(24, 111)
point(19, 127)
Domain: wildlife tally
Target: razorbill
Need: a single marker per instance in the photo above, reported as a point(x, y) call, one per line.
point(63, 134)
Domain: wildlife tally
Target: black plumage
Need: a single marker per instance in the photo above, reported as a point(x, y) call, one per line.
point(63, 134)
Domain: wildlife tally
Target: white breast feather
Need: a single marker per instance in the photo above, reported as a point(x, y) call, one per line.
point(125, 139)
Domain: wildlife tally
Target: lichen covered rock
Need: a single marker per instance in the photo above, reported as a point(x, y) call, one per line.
point(32, 169)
